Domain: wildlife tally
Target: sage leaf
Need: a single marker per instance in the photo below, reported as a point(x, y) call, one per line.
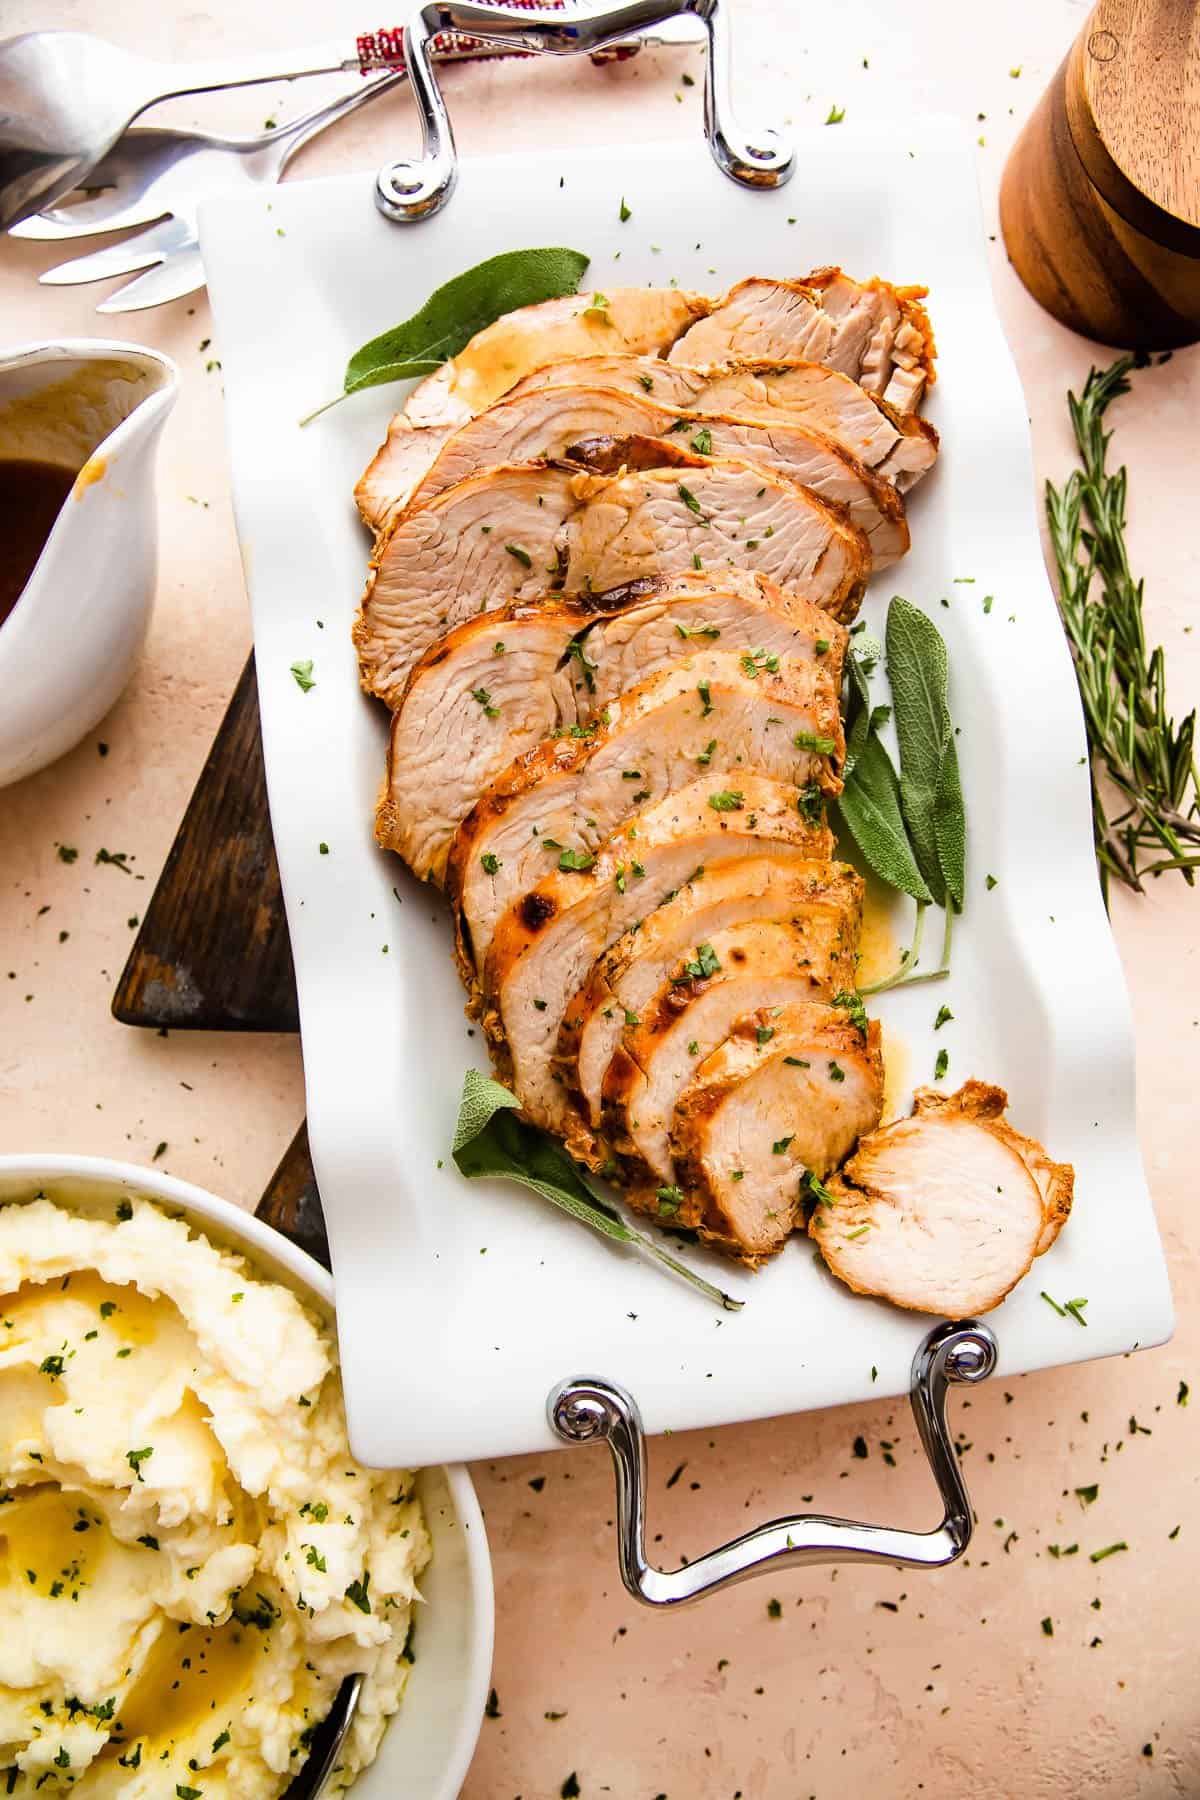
point(869, 805)
point(950, 825)
point(917, 671)
point(454, 313)
point(490, 1139)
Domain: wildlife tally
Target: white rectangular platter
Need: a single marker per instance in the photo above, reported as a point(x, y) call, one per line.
point(461, 1304)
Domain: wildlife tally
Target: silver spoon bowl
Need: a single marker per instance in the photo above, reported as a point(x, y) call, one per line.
point(66, 97)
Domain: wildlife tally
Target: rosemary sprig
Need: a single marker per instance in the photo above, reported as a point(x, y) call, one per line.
point(1145, 795)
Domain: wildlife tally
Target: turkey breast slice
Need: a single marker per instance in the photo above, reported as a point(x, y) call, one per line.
point(630, 320)
point(487, 540)
point(547, 941)
point(506, 534)
point(633, 971)
point(875, 333)
point(546, 422)
point(558, 803)
point(709, 514)
point(945, 1211)
point(785, 1097)
point(899, 446)
point(760, 965)
point(501, 681)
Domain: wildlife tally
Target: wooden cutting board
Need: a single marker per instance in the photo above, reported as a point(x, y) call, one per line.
point(213, 952)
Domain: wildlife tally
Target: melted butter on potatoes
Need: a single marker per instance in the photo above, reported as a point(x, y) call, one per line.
point(190, 1560)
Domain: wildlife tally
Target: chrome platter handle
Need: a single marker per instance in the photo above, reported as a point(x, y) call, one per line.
point(583, 1411)
point(415, 189)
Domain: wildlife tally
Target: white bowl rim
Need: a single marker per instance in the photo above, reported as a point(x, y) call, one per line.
point(38, 1168)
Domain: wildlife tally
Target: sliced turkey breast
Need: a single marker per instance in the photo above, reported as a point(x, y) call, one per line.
point(397, 469)
point(788, 1092)
point(710, 514)
point(945, 1211)
point(871, 331)
point(626, 320)
point(628, 979)
point(558, 803)
point(506, 534)
point(485, 541)
point(547, 941)
point(500, 682)
point(759, 965)
point(899, 446)
point(546, 422)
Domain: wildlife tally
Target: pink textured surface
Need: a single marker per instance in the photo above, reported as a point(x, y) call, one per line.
point(898, 1684)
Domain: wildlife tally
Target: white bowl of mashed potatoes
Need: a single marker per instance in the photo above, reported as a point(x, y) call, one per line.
point(191, 1561)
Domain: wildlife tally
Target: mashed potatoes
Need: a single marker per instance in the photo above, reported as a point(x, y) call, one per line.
point(190, 1561)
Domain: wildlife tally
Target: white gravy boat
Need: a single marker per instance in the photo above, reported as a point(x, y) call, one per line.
point(69, 645)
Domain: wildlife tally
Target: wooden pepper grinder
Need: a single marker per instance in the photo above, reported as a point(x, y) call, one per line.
point(1100, 201)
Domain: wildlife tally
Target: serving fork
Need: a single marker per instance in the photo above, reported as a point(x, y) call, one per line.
point(157, 174)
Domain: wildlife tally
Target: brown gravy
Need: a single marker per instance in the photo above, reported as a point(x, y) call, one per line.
point(31, 497)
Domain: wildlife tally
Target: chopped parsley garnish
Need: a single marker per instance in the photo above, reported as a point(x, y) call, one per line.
point(702, 965)
point(943, 1018)
point(1111, 1550)
point(701, 631)
point(705, 693)
point(705, 756)
point(836, 1072)
point(481, 695)
point(851, 1004)
point(53, 1366)
point(810, 803)
point(763, 1034)
point(577, 653)
point(702, 442)
point(810, 740)
point(727, 800)
point(357, 1594)
point(135, 1459)
point(670, 1199)
point(754, 660)
point(781, 1144)
point(693, 505)
point(942, 1063)
point(302, 673)
point(625, 214)
point(490, 862)
point(575, 861)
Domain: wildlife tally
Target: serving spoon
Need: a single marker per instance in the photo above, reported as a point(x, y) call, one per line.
point(313, 1779)
point(66, 97)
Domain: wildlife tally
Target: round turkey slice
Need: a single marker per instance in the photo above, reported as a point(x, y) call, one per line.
point(898, 446)
point(945, 1211)
point(483, 542)
point(624, 983)
point(786, 1095)
point(537, 666)
point(549, 938)
point(875, 333)
point(547, 421)
point(508, 532)
point(762, 966)
point(557, 804)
